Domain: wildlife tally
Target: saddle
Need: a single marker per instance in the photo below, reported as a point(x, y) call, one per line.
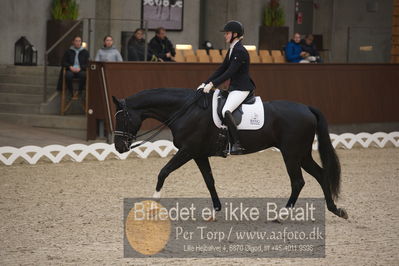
point(237, 113)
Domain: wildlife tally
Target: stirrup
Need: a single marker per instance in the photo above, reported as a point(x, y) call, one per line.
point(233, 149)
point(236, 149)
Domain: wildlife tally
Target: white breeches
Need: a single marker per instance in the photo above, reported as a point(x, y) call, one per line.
point(234, 99)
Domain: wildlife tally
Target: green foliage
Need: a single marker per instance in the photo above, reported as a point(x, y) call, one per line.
point(65, 9)
point(274, 14)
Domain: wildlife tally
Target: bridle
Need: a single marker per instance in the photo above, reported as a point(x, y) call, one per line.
point(129, 137)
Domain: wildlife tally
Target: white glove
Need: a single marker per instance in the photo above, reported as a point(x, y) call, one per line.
point(208, 87)
point(201, 86)
point(311, 58)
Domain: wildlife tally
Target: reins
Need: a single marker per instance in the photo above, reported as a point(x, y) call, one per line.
point(166, 123)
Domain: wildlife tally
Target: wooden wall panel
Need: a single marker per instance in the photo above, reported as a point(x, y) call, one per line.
point(395, 33)
point(345, 93)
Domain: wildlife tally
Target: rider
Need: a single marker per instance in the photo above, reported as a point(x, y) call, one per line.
point(236, 68)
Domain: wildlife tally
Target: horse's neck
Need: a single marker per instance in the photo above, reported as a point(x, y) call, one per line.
point(158, 104)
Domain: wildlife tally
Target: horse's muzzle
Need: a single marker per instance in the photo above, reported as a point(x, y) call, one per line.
point(122, 147)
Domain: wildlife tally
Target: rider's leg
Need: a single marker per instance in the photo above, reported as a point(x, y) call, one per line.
point(234, 99)
point(232, 127)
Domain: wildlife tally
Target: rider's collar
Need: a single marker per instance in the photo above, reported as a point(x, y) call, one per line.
point(234, 43)
point(232, 46)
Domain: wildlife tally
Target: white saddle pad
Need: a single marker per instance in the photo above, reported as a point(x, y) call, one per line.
point(253, 116)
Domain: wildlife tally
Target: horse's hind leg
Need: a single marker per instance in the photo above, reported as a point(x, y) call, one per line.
point(180, 158)
point(312, 168)
point(294, 171)
point(206, 171)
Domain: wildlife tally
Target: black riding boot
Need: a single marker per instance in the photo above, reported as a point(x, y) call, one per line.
point(230, 123)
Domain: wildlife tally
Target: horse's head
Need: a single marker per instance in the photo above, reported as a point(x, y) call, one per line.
point(127, 124)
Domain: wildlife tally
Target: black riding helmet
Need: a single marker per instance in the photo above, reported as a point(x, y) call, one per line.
point(235, 27)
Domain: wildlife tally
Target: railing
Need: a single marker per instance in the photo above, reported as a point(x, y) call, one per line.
point(46, 53)
point(89, 41)
point(103, 151)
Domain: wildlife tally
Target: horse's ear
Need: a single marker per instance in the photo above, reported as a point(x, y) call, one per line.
point(115, 100)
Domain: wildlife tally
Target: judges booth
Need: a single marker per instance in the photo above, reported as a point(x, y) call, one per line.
point(345, 93)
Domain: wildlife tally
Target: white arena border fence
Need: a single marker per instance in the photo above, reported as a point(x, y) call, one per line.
point(78, 152)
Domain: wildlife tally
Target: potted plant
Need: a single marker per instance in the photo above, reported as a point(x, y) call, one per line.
point(273, 35)
point(64, 14)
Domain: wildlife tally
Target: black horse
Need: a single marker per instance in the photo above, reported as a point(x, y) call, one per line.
point(289, 126)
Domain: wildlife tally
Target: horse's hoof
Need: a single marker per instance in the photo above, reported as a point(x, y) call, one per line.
point(343, 213)
point(156, 195)
point(211, 219)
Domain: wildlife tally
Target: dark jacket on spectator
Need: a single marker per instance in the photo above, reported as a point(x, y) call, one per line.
point(69, 60)
point(136, 49)
point(161, 47)
point(293, 52)
point(311, 49)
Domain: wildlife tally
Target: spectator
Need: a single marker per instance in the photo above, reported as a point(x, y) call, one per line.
point(136, 48)
point(293, 51)
point(108, 53)
point(75, 61)
point(161, 46)
point(309, 47)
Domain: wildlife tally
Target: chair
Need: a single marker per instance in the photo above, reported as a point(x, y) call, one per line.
point(264, 52)
point(214, 52)
point(191, 58)
point(188, 52)
point(266, 58)
point(252, 52)
point(217, 58)
point(66, 103)
point(201, 52)
point(179, 52)
point(279, 59)
point(395, 50)
point(254, 57)
point(203, 58)
point(224, 52)
point(276, 53)
point(179, 57)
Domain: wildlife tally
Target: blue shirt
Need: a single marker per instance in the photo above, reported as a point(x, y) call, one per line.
point(293, 52)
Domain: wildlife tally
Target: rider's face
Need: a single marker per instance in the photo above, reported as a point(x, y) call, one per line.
point(227, 36)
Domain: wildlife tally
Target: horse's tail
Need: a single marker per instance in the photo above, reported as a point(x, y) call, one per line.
point(329, 159)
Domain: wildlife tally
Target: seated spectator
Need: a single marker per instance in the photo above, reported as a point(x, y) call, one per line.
point(293, 51)
point(309, 47)
point(161, 46)
point(136, 48)
point(108, 53)
point(75, 61)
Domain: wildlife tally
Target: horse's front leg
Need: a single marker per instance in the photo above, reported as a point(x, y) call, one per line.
point(180, 158)
point(206, 171)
